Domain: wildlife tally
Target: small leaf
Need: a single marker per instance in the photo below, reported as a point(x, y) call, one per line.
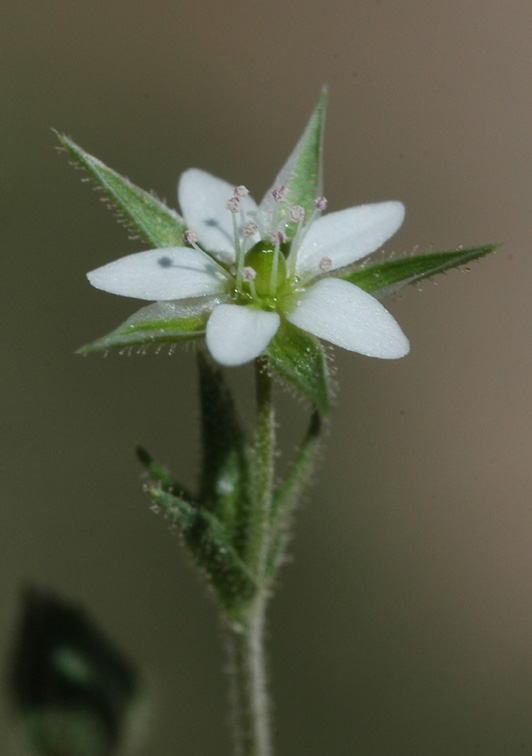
point(300, 359)
point(160, 475)
point(288, 494)
point(302, 174)
point(385, 278)
point(158, 323)
point(225, 473)
point(156, 223)
point(209, 544)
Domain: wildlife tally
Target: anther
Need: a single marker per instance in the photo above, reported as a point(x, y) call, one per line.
point(279, 193)
point(233, 204)
point(248, 275)
point(325, 264)
point(190, 237)
point(241, 191)
point(296, 213)
point(321, 204)
point(278, 237)
point(250, 228)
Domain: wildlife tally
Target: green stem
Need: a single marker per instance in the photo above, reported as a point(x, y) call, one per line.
point(249, 696)
point(250, 702)
point(260, 525)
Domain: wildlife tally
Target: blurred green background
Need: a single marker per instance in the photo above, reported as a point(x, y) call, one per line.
point(404, 625)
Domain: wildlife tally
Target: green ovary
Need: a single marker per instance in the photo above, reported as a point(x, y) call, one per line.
point(262, 258)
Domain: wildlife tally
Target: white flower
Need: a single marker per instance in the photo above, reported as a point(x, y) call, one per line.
point(257, 264)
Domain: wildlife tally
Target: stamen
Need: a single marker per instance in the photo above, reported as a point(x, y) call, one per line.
point(325, 264)
point(296, 213)
point(257, 215)
point(278, 237)
point(275, 266)
point(241, 191)
point(320, 204)
point(242, 222)
point(250, 228)
point(233, 204)
point(239, 254)
point(190, 237)
point(279, 193)
point(248, 275)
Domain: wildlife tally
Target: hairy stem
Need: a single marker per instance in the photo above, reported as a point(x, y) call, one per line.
point(259, 523)
point(250, 702)
point(249, 696)
point(264, 466)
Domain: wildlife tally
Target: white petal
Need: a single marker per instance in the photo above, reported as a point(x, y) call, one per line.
point(203, 199)
point(347, 235)
point(168, 273)
point(236, 335)
point(343, 314)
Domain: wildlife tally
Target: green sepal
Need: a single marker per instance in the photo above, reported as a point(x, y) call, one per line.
point(158, 323)
point(209, 544)
point(161, 475)
point(225, 471)
point(302, 174)
point(387, 277)
point(154, 222)
point(300, 359)
point(288, 494)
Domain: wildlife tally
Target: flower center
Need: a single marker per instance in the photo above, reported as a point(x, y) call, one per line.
point(268, 262)
point(266, 271)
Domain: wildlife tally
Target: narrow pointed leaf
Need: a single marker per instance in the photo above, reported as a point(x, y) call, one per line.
point(208, 543)
point(225, 473)
point(176, 508)
point(302, 174)
point(289, 492)
point(159, 323)
point(160, 475)
point(300, 359)
point(156, 223)
point(387, 277)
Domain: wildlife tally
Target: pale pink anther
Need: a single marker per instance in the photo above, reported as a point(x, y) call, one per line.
point(321, 204)
point(296, 213)
point(233, 204)
point(248, 273)
point(241, 191)
point(279, 193)
point(325, 264)
point(190, 237)
point(278, 237)
point(250, 228)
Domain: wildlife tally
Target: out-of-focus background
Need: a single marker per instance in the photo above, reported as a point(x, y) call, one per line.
point(404, 624)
